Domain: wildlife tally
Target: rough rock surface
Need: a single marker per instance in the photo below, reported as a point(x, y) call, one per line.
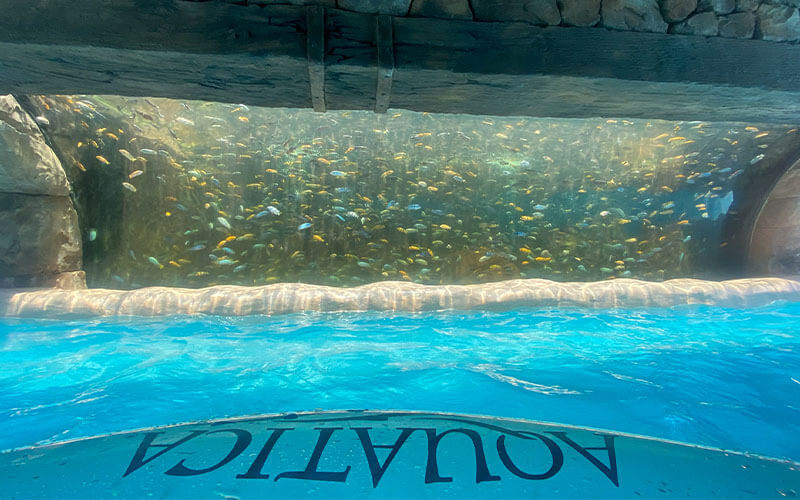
point(445, 9)
point(746, 5)
point(543, 12)
point(717, 6)
point(634, 15)
point(40, 235)
point(580, 12)
point(788, 3)
point(778, 23)
point(27, 164)
point(391, 7)
point(325, 3)
point(704, 23)
point(737, 25)
point(677, 10)
point(73, 280)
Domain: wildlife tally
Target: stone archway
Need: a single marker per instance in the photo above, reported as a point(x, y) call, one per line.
point(774, 246)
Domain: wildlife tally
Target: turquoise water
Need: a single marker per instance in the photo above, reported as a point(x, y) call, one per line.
point(721, 377)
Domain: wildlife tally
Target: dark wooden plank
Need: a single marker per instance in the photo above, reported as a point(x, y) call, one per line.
point(385, 49)
point(315, 22)
point(260, 55)
point(168, 25)
point(519, 49)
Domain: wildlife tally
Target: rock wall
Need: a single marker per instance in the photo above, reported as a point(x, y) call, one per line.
point(775, 243)
point(774, 20)
point(39, 240)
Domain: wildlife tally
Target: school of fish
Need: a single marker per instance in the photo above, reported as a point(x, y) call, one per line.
point(197, 194)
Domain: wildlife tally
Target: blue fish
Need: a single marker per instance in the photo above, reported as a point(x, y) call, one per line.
point(273, 210)
point(414, 206)
point(228, 251)
point(337, 173)
point(343, 190)
point(181, 207)
point(262, 213)
point(303, 226)
point(197, 247)
point(225, 262)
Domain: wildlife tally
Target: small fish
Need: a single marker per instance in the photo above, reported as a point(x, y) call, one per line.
point(224, 222)
point(197, 247)
point(135, 173)
point(757, 159)
point(127, 155)
point(155, 262)
point(92, 234)
point(102, 160)
point(130, 187)
point(304, 226)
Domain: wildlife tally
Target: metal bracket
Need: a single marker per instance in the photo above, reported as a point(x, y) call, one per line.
point(315, 52)
point(385, 46)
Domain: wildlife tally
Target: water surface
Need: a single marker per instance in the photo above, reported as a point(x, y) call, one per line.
point(721, 377)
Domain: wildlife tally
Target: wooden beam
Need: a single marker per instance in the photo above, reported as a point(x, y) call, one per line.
point(315, 22)
point(290, 56)
point(385, 46)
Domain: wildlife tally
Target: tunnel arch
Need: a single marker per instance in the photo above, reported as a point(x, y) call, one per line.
point(774, 243)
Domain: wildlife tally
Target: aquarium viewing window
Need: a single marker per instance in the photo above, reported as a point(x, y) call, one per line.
point(194, 194)
point(400, 249)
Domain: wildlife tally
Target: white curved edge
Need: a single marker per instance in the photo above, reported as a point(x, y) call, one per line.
point(284, 298)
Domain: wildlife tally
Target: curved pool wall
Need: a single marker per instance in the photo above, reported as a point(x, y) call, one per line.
point(483, 457)
point(395, 296)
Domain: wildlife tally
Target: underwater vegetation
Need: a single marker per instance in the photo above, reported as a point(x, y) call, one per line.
point(196, 194)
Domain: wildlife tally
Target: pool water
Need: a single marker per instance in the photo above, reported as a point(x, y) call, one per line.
point(727, 378)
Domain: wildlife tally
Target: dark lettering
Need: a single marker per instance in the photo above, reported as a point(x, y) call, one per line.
point(432, 468)
point(311, 473)
point(138, 457)
point(254, 472)
point(243, 439)
point(555, 452)
point(375, 468)
point(611, 470)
